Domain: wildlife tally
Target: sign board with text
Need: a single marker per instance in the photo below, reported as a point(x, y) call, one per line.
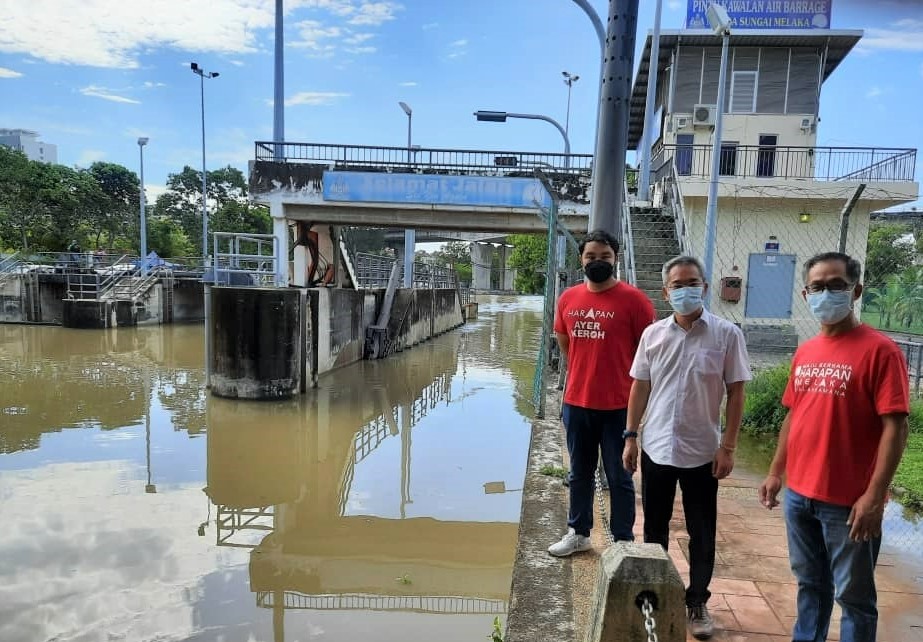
point(432, 189)
point(764, 14)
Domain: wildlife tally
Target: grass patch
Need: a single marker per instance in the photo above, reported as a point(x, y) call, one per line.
point(871, 316)
point(553, 471)
point(908, 481)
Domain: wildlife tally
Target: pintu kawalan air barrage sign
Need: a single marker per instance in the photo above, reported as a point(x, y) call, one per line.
point(764, 14)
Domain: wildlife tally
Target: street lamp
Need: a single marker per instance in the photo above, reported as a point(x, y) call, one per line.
point(720, 23)
point(410, 236)
point(202, 74)
point(142, 141)
point(569, 80)
point(501, 116)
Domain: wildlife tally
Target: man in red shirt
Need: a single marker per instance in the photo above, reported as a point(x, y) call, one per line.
point(598, 325)
point(848, 399)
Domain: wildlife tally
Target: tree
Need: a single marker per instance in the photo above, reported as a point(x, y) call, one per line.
point(457, 255)
point(26, 187)
point(887, 254)
point(528, 257)
point(166, 237)
point(117, 214)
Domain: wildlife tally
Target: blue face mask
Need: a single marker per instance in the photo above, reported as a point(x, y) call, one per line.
point(830, 307)
point(686, 300)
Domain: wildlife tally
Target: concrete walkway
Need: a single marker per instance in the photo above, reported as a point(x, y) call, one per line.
point(753, 589)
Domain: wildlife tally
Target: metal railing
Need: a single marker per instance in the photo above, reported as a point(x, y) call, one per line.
point(913, 351)
point(244, 260)
point(373, 271)
point(679, 214)
point(628, 244)
point(364, 602)
point(423, 159)
point(812, 163)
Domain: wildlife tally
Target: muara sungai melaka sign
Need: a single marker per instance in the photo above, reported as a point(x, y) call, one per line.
point(764, 14)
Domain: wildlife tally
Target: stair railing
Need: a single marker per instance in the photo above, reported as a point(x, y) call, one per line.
point(628, 243)
point(679, 213)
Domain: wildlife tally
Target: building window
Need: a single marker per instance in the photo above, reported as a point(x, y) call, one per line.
point(743, 92)
point(727, 163)
point(684, 152)
point(766, 156)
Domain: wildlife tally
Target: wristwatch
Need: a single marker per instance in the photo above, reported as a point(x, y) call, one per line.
point(630, 434)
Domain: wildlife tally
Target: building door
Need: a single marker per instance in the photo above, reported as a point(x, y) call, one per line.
point(684, 151)
point(766, 156)
point(770, 282)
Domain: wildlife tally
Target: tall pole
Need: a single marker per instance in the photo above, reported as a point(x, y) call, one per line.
point(143, 205)
point(711, 214)
point(644, 180)
point(612, 126)
point(278, 103)
point(410, 235)
point(204, 176)
point(569, 80)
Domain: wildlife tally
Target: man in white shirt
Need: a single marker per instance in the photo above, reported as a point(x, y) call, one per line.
point(682, 369)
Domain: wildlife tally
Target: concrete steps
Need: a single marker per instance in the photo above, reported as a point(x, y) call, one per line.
point(654, 236)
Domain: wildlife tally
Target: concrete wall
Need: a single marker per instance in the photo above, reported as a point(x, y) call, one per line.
point(188, 300)
point(17, 294)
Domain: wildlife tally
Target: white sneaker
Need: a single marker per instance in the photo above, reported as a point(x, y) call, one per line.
point(570, 544)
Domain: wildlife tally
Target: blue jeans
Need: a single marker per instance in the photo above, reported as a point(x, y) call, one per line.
point(828, 565)
point(588, 433)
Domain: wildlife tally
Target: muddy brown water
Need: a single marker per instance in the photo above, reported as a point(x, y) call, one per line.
point(381, 506)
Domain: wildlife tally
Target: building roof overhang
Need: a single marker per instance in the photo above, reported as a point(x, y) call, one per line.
point(836, 42)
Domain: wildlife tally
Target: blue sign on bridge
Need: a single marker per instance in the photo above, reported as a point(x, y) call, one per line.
point(764, 14)
point(476, 191)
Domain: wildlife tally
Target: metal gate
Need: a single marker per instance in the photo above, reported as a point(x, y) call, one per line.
point(770, 282)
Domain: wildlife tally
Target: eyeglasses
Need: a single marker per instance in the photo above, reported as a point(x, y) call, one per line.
point(678, 286)
point(837, 285)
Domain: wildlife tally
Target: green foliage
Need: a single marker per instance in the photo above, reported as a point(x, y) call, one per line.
point(908, 479)
point(886, 255)
point(404, 579)
point(763, 410)
point(528, 258)
point(496, 635)
point(553, 471)
point(916, 416)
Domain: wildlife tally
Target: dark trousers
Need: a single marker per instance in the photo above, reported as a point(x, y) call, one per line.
point(590, 432)
point(700, 504)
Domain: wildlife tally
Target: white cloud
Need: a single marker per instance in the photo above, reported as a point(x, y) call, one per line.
point(313, 34)
point(874, 92)
point(459, 43)
point(336, 7)
point(904, 35)
point(361, 50)
point(151, 85)
point(409, 83)
point(313, 98)
point(237, 63)
point(101, 92)
point(358, 38)
point(102, 33)
point(375, 13)
point(458, 48)
point(675, 5)
point(89, 156)
point(9, 73)
point(430, 25)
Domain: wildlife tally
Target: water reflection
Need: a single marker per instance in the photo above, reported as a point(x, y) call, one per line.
point(358, 510)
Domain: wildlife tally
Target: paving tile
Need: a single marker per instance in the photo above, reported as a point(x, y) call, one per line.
point(729, 586)
point(780, 597)
point(754, 615)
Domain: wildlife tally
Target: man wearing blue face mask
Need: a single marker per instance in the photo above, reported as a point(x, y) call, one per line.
point(848, 398)
point(684, 366)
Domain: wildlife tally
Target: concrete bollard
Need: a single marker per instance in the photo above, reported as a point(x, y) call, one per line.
point(628, 573)
point(471, 311)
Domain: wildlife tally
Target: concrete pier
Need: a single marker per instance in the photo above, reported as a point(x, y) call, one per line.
point(257, 342)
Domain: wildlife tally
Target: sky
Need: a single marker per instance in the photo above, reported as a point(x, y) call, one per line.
point(93, 75)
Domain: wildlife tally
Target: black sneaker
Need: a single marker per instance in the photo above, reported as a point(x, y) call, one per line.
point(699, 622)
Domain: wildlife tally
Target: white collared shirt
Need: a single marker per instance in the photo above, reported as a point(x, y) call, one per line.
point(689, 372)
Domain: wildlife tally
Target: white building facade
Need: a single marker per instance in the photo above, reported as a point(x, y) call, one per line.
point(780, 196)
point(26, 141)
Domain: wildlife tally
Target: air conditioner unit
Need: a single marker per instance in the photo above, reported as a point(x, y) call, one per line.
point(704, 115)
point(807, 123)
point(682, 122)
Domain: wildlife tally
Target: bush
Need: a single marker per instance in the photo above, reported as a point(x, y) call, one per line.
point(916, 416)
point(763, 409)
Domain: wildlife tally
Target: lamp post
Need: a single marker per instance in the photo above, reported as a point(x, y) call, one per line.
point(569, 80)
point(720, 23)
point(410, 236)
point(142, 141)
point(501, 116)
point(202, 74)
point(644, 181)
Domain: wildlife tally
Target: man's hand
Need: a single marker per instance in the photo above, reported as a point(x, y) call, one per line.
point(769, 490)
point(723, 464)
point(865, 518)
point(630, 455)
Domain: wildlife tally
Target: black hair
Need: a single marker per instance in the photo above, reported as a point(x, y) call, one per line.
point(853, 267)
point(599, 236)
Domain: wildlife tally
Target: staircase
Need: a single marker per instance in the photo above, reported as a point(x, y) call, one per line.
point(653, 232)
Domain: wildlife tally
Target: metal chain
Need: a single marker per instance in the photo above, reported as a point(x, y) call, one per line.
point(647, 609)
point(602, 508)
